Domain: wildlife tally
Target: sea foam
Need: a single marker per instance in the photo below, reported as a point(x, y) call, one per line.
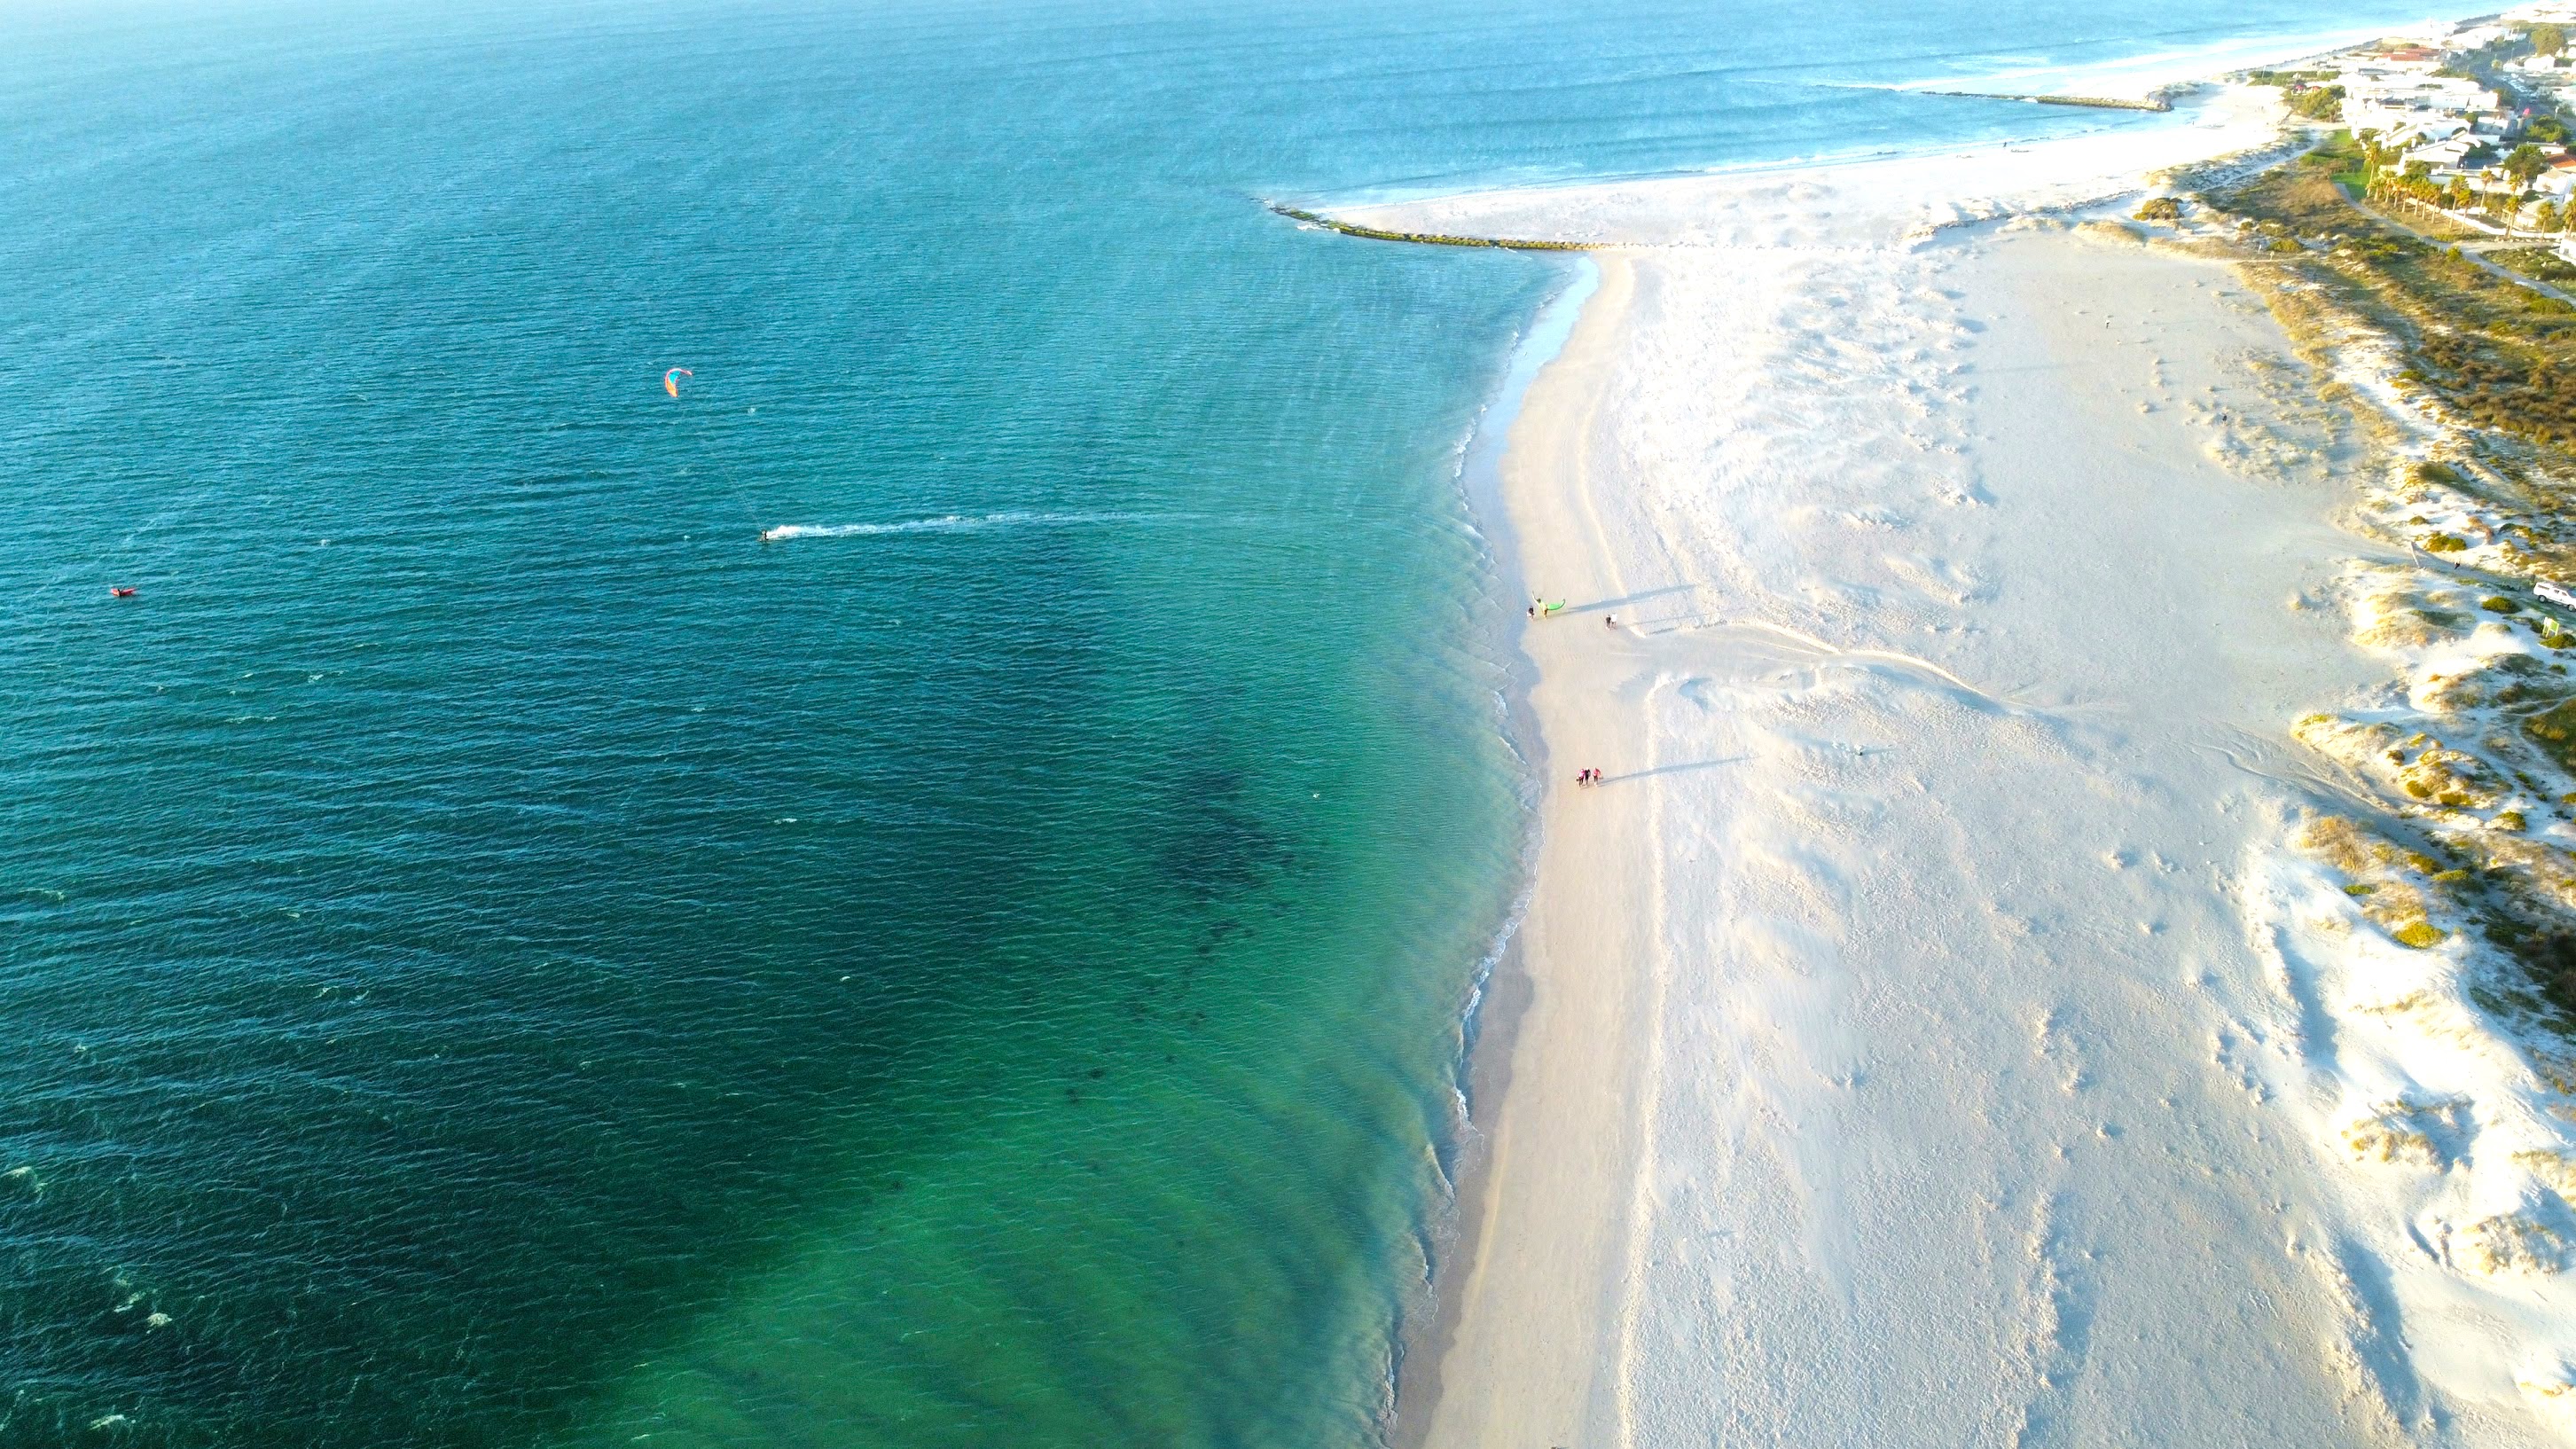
point(967, 523)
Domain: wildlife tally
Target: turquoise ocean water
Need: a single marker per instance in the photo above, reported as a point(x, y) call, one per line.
point(494, 955)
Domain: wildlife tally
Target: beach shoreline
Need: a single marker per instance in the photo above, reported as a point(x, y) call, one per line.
point(1511, 1019)
point(1502, 994)
point(1569, 1311)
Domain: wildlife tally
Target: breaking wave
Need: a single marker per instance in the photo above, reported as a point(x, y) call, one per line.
point(965, 523)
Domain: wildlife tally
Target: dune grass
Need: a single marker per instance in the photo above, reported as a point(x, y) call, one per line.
point(2504, 357)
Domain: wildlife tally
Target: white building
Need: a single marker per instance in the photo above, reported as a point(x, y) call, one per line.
point(2440, 155)
point(2382, 94)
point(2417, 131)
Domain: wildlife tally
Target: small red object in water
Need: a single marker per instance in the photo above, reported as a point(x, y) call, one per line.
point(120, 593)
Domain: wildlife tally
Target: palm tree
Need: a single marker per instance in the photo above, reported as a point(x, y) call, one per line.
point(2525, 165)
point(2493, 199)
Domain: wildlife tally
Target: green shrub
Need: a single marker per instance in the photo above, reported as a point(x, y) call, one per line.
point(2419, 934)
point(2499, 604)
point(2445, 543)
point(2324, 103)
point(2554, 730)
point(2160, 208)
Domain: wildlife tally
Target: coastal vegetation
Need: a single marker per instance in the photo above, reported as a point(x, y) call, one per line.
point(2419, 934)
point(2345, 160)
point(2484, 375)
point(2310, 93)
point(2555, 731)
point(2317, 103)
point(2538, 263)
point(2502, 356)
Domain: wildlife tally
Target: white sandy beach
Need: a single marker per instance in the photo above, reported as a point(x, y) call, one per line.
point(1902, 1061)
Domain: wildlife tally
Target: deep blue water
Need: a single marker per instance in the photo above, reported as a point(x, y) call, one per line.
point(495, 955)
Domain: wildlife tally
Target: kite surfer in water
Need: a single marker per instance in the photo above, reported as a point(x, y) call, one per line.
point(120, 592)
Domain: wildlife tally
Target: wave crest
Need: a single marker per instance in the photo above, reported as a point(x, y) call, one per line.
point(963, 523)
